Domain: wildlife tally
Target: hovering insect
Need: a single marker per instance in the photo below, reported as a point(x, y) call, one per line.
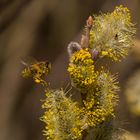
point(36, 70)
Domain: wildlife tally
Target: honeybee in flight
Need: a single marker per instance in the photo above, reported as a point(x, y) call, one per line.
point(36, 70)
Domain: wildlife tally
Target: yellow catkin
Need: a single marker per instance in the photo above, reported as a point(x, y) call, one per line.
point(63, 118)
point(81, 70)
point(112, 33)
point(99, 86)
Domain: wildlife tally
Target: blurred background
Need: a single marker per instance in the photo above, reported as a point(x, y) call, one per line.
point(42, 29)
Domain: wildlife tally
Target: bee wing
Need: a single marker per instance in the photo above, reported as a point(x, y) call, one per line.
point(23, 63)
point(28, 61)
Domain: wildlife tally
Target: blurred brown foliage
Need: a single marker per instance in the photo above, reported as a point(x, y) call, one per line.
point(42, 29)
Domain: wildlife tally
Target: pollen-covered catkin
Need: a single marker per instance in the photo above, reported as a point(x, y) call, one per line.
point(81, 70)
point(112, 33)
point(63, 118)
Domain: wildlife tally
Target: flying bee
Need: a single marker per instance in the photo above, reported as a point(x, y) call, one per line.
point(36, 70)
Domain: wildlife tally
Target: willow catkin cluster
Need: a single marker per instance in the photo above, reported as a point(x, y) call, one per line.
point(99, 87)
point(108, 35)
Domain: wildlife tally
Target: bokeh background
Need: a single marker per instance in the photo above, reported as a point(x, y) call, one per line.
point(42, 29)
